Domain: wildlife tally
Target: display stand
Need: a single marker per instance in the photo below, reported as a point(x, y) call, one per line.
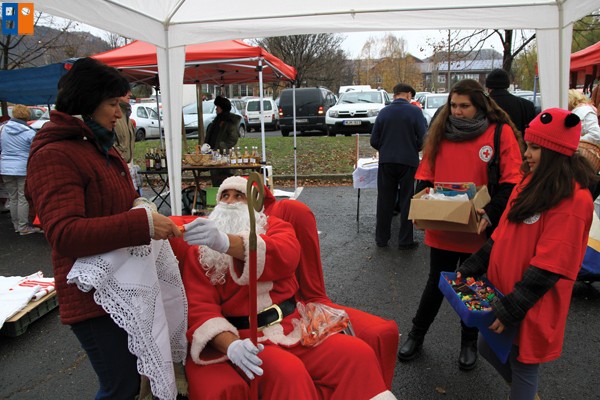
point(161, 191)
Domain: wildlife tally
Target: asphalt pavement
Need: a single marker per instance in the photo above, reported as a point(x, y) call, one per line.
point(46, 362)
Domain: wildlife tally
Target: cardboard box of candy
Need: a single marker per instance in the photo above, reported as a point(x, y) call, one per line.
point(446, 215)
point(471, 299)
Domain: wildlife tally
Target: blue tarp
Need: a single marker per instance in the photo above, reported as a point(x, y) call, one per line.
point(32, 86)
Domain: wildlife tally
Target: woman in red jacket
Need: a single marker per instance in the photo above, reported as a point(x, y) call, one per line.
point(83, 193)
point(536, 252)
point(458, 148)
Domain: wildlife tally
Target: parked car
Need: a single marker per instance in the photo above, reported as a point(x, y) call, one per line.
point(240, 104)
point(41, 121)
point(35, 113)
point(312, 105)
point(146, 122)
point(527, 94)
point(356, 111)
point(252, 115)
point(209, 112)
point(431, 102)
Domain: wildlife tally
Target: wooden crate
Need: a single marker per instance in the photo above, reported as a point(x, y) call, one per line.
point(18, 323)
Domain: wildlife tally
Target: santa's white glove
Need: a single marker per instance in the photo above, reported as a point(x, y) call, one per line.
point(243, 353)
point(203, 231)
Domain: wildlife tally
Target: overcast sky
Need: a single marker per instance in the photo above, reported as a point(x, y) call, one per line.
point(416, 41)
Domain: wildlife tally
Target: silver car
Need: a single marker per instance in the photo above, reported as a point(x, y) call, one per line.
point(209, 112)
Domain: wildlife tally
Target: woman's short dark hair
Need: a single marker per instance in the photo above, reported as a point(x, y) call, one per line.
point(87, 84)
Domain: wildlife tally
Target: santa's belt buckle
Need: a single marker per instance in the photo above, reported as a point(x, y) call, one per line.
point(279, 316)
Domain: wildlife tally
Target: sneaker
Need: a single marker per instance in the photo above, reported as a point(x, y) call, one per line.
point(29, 230)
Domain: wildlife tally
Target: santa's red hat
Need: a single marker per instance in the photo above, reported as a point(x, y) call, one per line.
point(555, 129)
point(233, 182)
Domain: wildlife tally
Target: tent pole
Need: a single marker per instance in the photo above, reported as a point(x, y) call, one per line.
point(262, 116)
point(294, 126)
point(160, 134)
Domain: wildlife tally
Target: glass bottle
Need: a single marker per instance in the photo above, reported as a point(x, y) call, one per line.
point(147, 159)
point(151, 159)
point(246, 156)
point(163, 160)
point(238, 153)
point(232, 157)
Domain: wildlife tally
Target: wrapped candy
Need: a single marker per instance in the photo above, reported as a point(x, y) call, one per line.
point(319, 321)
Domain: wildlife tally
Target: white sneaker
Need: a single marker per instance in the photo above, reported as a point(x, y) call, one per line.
point(29, 230)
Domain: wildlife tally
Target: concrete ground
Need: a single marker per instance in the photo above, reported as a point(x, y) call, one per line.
point(46, 362)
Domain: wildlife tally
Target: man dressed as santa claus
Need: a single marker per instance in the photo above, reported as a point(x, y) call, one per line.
point(216, 282)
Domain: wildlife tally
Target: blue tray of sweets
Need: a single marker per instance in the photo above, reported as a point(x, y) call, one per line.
point(478, 315)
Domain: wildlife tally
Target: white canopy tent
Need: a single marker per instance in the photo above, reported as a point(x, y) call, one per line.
point(172, 24)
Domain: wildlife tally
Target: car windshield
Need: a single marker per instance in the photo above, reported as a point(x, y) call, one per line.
point(208, 107)
point(360, 97)
point(255, 105)
point(436, 102)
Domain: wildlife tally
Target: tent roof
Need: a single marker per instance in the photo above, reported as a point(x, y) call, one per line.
point(587, 57)
point(172, 23)
point(224, 62)
point(32, 86)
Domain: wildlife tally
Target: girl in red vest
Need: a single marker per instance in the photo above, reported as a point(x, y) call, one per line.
point(459, 147)
point(535, 253)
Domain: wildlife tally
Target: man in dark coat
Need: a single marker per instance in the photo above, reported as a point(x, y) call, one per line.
point(398, 136)
point(521, 111)
point(222, 134)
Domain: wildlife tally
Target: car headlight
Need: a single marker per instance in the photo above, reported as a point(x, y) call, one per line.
point(372, 113)
point(333, 113)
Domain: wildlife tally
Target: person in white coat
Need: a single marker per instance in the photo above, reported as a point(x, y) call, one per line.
point(15, 142)
point(581, 106)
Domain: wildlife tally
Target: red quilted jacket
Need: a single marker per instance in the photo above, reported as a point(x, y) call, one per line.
point(83, 199)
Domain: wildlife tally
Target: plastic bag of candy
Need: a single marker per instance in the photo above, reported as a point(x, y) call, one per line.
point(319, 321)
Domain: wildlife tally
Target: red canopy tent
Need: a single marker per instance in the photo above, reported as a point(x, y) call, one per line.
point(584, 66)
point(586, 58)
point(230, 61)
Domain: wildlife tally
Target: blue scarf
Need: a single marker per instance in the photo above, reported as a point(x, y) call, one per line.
point(105, 138)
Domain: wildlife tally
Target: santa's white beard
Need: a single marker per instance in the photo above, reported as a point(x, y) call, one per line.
point(233, 219)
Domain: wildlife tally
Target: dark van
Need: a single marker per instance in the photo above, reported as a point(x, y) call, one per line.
point(312, 104)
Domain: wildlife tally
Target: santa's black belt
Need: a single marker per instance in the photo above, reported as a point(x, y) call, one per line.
point(269, 316)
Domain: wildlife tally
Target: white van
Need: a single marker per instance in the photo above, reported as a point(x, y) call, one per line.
point(252, 115)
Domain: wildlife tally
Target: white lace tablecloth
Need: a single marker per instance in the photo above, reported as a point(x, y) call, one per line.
point(141, 288)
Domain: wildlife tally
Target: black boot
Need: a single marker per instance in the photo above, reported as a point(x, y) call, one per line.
point(412, 347)
point(468, 355)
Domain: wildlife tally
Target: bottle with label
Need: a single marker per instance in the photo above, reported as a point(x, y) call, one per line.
point(163, 160)
point(157, 164)
point(232, 157)
point(246, 155)
point(147, 159)
point(151, 165)
point(238, 153)
point(252, 159)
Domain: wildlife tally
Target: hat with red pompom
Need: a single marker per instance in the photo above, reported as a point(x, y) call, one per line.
point(555, 129)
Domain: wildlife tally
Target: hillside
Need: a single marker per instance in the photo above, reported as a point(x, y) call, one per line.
point(46, 46)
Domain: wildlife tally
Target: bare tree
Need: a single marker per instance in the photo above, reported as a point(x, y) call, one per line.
point(20, 51)
point(115, 40)
point(312, 55)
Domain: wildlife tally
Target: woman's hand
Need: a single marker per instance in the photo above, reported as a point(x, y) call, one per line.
point(484, 221)
point(164, 228)
point(497, 326)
